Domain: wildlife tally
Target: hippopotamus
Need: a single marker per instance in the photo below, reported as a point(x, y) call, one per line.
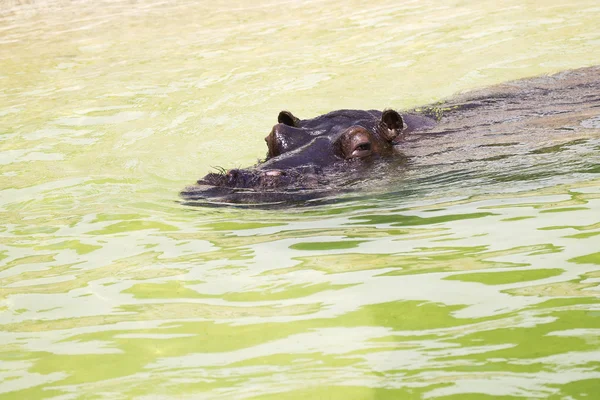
point(334, 152)
point(305, 156)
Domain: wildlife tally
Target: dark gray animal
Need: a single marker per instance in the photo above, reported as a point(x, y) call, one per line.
point(308, 158)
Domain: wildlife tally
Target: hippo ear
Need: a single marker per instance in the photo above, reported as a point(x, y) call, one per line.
point(287, 118)
point(391, 124)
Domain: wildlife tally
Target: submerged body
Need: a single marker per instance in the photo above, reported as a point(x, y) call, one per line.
point(332, 152)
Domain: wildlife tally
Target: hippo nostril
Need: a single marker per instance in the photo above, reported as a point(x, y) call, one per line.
point(274, 172)
point(271, 178)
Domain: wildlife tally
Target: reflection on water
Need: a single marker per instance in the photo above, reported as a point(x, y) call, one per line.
point(472, 280)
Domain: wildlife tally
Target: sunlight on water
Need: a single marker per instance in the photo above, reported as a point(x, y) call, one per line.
point(474, 281)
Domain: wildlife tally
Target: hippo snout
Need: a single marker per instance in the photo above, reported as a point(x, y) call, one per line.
point(308, 176)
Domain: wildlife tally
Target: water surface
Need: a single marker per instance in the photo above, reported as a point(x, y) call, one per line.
point(474, 283)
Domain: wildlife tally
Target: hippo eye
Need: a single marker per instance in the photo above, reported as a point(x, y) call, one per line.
point(361, 150)
point(356, 142)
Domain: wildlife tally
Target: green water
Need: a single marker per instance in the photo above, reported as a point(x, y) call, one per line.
point(449, 287)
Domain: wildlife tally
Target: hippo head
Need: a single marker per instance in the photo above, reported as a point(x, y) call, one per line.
point(307, 158)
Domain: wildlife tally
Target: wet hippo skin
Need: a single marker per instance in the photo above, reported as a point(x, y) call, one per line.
point(308, 158)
